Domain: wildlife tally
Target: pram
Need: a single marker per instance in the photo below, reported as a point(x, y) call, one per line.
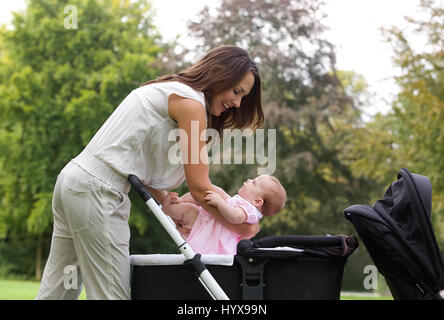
point(280, 267)
point(270, 268)
point(399, 237)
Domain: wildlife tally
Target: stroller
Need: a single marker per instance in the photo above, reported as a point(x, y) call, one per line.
point(271, 268)
point(399, 237)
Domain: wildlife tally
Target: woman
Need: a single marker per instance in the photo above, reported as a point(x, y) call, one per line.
point(90, 202)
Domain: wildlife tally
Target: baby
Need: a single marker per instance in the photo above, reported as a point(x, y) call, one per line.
point(262, 196)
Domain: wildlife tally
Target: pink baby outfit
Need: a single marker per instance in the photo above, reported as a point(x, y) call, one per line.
point(208, 236)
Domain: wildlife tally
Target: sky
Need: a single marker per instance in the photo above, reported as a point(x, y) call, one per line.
point(354, 28)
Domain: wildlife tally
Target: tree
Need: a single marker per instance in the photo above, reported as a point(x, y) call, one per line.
point(304, 99)
point(64, 67)
point(410, 135)
point(418, 109)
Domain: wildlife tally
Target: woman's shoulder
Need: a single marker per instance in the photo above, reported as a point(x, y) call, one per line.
point(178, 87)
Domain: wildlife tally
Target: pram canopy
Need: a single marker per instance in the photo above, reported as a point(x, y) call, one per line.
point(398, 234)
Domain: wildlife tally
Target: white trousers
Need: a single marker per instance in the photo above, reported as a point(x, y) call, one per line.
point(90, 241)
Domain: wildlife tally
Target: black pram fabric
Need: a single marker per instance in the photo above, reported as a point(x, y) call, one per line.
point(311, 266)
point(271, 268)
point(317, 246)
point(398, 234)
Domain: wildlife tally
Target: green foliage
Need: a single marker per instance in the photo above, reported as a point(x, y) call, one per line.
point(412, 134)
point(17, 257)
point(57, 87)
point(418, 110)
point(314, 109)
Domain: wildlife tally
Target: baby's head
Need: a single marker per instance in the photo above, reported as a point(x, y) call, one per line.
point(266, 193)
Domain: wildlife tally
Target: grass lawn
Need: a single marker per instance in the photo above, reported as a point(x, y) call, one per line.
point(357, 296)
point(22, 290)
point(27, 290)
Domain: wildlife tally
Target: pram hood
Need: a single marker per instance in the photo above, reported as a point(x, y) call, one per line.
point(402, 219)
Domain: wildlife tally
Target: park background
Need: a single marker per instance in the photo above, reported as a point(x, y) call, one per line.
point(59, 84)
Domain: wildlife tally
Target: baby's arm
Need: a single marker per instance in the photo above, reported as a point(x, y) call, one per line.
point(234, 215)
point(189, 199)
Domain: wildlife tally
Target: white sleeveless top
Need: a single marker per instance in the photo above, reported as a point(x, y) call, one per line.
point(134, 139)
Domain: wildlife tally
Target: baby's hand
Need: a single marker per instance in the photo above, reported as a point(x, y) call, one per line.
point(213, 198)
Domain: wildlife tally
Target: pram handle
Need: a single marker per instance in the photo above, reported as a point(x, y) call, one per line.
point(140, 188)
point(204, 275)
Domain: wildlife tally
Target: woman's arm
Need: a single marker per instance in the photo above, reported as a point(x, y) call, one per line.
point(191, 118)
point(187, 198)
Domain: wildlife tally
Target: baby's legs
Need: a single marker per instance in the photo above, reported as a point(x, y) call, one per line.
point(185, 212)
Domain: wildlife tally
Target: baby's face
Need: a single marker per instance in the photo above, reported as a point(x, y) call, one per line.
point(254, 188)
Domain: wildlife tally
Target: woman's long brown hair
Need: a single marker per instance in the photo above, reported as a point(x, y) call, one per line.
point(219, 70)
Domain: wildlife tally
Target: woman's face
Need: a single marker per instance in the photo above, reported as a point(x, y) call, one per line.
point(232, 98)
